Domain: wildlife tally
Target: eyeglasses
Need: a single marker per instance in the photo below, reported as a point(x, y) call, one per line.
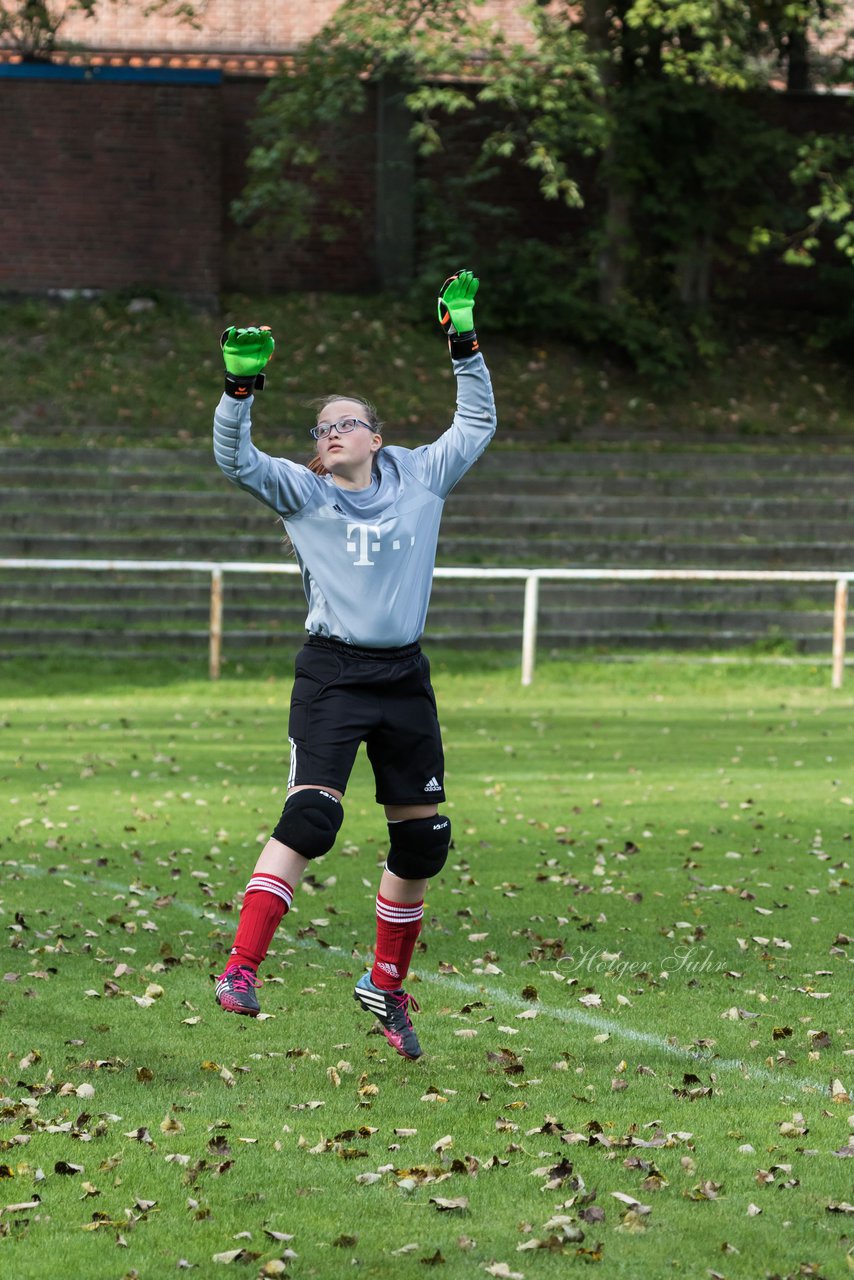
point(344, 426)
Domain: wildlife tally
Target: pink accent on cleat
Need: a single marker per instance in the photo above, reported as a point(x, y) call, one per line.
point(235, 990)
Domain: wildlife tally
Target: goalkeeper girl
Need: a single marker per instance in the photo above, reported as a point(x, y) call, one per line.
point(363, 519)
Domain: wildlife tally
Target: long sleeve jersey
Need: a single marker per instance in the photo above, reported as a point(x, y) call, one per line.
point(367, 556)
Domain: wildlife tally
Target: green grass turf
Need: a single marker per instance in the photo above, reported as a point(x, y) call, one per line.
point(98, 373)
point(635, 978)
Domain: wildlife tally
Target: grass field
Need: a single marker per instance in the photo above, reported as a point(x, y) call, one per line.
point(635, 979)
point(101, 373)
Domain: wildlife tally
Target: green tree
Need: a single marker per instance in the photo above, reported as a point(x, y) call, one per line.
point(645, 120)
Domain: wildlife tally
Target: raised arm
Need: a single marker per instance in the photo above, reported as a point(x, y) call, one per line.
point(285, 486)
point(444, 462)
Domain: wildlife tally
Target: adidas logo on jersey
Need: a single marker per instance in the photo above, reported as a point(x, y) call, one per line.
point(432, 785)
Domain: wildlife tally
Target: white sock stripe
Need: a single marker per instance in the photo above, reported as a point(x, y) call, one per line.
point(263, 885)
point(275, 882)
point(399, 913)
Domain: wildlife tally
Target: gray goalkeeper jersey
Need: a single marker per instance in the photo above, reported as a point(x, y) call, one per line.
point(366, 555)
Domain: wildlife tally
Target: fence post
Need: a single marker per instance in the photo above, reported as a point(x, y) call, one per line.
point(840, 615)
point(215, 635)
point(529, 627)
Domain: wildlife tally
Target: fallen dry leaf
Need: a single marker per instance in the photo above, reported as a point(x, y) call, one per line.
point(631, 1202)
point(461, 1203)
point(22, 1206)
point(275, 1267)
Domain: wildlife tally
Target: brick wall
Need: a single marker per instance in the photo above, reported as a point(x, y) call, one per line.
point(114, 185)
point(109, 185)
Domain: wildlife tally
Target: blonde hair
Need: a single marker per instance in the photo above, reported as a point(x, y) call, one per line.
point(371, 415)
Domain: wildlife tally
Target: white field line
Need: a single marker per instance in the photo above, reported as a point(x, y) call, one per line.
point(618, 1029)
point(579, 1017)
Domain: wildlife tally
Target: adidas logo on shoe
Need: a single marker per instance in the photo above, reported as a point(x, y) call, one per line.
point(432, 785)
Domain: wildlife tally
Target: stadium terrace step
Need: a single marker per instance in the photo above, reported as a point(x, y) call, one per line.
point(133, 520)
point(182, 589)
point(475, 551)
point(192, 645)
point(675, 504)
point(24, 508)
point(205, 486)
point(563, 620)
point(608, 455)
point(549, 551)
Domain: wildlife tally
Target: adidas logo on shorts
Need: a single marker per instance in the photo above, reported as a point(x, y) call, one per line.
point(432, 785)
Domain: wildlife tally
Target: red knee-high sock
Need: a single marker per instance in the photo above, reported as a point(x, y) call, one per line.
point(398, 927)
point(266, 900)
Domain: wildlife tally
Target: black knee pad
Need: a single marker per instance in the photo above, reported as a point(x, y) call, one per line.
point(310, 821)
point(418, 847)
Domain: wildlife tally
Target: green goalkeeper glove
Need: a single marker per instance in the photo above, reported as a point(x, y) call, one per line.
point(456, 313)
point(245, 352)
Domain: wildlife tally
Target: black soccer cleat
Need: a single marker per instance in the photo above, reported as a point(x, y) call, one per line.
point(391, 1009)
point(235, 990)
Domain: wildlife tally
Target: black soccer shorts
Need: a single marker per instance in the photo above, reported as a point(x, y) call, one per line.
point(343, 696)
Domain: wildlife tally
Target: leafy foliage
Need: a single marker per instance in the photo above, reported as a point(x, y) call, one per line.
point(826, 166)
point(300, 134)
point(644, 123)
point(33, 27)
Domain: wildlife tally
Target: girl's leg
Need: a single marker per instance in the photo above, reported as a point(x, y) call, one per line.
point(400, 913)
point(268, 897)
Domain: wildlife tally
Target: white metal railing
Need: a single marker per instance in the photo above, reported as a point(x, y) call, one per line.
point(531, 577)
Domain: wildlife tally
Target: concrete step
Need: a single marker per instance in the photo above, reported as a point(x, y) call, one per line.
point(531, 525)
point(260, 591)
point(501, 456)
point(614, 506)
point(232, 509)
point(199, 487)
point(476, 617)
point(130, 520)
point(91, 643)
point(524, 550)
